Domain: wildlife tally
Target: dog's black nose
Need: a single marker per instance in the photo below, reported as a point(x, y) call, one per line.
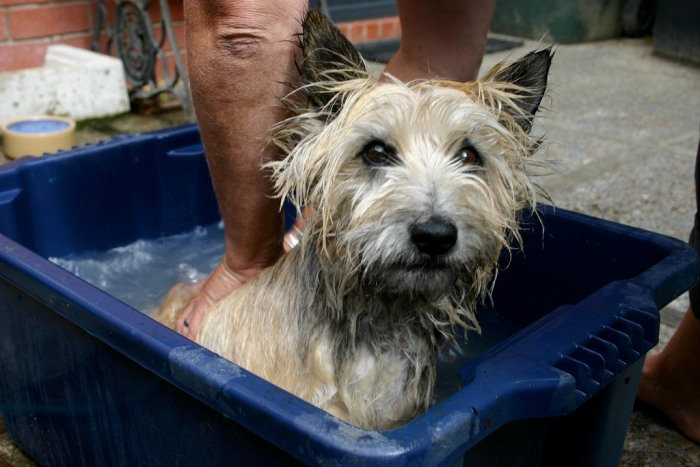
point(436, 236)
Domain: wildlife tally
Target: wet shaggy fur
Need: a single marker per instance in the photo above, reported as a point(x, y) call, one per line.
point(418, 189)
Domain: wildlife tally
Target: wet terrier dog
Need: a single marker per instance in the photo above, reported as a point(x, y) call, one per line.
point(418, 189)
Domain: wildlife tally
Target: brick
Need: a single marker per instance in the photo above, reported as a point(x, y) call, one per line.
point(357, 31)
point(49, 20)
point(3, 26)
point(21, 2)
point(20, 56)
point(177, 12)
point(111, 8)
point(390, 28)
point(178, 30)
point(84, 41)
point(103, 44)
point(372, 31)
point(170, 61)
point(344, 29)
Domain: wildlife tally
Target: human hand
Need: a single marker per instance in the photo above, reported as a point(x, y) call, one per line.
point(220, 283)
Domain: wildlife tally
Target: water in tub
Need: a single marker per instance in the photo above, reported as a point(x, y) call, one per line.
point(141, 273)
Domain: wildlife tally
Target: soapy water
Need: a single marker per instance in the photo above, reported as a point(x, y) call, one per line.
point(141, 273)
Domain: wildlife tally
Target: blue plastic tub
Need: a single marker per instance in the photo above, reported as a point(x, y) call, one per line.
point(88, 380)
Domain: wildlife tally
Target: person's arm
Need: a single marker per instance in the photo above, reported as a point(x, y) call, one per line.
point(240, 53)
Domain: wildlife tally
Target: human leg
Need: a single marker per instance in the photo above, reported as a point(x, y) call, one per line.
point(240, 54)
point(671, 379)
point(444, 38)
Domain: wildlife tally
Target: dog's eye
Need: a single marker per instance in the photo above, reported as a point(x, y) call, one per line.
point(468, 156)
point(378, 154)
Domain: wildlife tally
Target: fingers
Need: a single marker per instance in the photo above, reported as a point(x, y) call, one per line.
point(191, 318)
point(220, 283)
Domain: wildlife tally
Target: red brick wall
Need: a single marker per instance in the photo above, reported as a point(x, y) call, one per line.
point(28, 27)
point(371, 29)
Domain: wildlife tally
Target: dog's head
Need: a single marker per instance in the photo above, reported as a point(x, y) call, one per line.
point(417, 186)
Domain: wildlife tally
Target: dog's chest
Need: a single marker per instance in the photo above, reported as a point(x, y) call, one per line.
point(376, 385)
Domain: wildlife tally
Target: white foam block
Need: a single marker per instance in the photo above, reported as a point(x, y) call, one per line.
point(73, 82)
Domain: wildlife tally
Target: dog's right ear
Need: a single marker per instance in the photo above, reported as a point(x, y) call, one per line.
point(328, 58)
point(528, 75)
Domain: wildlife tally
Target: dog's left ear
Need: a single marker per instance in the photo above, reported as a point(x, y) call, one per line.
point(328, 57)
point(529, 77)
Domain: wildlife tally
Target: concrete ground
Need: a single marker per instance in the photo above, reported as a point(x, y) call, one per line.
point(622, 126)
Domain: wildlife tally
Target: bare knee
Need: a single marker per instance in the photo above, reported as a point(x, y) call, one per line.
point(243, 29)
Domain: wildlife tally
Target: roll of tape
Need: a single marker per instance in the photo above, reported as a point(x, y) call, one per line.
point(36, 135)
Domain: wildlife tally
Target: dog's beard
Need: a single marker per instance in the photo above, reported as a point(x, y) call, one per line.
point(389, 266)
point(427, 280)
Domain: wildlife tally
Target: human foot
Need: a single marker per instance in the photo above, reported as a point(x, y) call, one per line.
point(671, 379)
